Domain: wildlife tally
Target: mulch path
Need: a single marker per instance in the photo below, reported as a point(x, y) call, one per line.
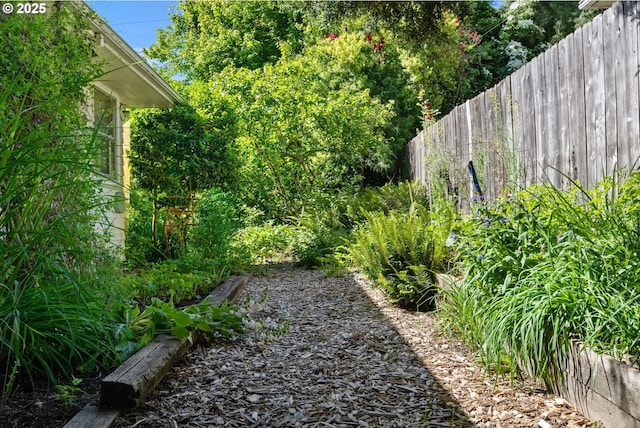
point(332, 352)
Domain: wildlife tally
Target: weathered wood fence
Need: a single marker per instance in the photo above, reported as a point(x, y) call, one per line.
point(571, 113)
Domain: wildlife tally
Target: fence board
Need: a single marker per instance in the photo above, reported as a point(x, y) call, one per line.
point(539, 125)
point(488, 119)
point(457, 162)
point(575, 108)
point(611, 64)
point(504, 136)
point(628, 104)
point(564, 97)
point(551, 114)
point(594, 100)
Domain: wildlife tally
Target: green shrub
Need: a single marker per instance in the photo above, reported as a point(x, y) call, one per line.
point(390, 197)
point(328, 225)
point(401, 252)
point(139, 246)
point(218, 217)
point(266, 243)
point(548, 266)
point(319, 232)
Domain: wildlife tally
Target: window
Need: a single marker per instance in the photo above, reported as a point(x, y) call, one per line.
point(104, 108)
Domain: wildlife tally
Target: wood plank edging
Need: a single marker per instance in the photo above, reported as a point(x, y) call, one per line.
point(92, 416)
point(599, 386)
point(129, 384)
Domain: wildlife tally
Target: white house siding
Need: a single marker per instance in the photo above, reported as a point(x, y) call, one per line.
point(132, 83)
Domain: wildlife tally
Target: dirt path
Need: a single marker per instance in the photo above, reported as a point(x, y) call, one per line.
point(346, 359)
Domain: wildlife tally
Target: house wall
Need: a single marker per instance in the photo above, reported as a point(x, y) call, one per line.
point(113, 187)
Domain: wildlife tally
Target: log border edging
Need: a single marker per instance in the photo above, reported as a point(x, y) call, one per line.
point(139, 386)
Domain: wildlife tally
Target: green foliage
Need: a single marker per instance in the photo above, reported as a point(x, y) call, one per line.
point(319, 232)
point(218, 216)
point(69, 395)
point(54, 282)
point(207, 37)
point(330, 222)
point(269, 242)
point(174, 155)
point(140, 247)
point(548, 266)
point(401, 252)
point(174, 278)
point(361, 50)
point(139, 327)
point(390, 197)
point(299, 136)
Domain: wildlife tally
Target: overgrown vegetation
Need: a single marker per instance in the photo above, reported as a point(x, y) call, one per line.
point(63, 311)
point(287, 149)
point(54, 281)
point(545, 267)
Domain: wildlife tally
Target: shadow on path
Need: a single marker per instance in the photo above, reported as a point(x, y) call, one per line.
point(340, 363)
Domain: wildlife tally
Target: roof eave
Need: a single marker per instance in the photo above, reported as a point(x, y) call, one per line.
point(137, 83)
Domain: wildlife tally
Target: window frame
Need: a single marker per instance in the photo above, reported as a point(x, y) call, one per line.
point(105, 106)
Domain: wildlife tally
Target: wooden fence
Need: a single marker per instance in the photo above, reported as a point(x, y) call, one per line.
point(572, 113)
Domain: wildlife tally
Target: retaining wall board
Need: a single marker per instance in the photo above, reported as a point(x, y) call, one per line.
point(228, 290)
point(130, 383)
point(594, 406)
point(602, 387)
point(599, 386)
point(93, 416)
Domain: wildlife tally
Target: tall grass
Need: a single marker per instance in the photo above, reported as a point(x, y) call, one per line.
point(54, 314)
point(546, 267)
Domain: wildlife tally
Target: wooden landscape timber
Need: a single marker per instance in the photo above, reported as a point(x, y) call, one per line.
point(601, 387)
point(135, 379)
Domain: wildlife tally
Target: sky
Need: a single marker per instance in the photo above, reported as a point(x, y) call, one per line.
point(135, 21)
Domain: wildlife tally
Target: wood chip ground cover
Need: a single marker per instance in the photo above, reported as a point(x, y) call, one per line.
point(332, 352)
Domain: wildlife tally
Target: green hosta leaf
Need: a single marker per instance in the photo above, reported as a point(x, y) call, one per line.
point(123, 332)
point(180, 332)
point(204, 326)
point(126, 349)
point(159, 318)
point(181, 319)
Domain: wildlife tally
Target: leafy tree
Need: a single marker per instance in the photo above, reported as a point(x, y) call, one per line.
point(531, 26)
point(304, 128)
point(175, 155)
point(364, 52)
point(289, 83)
point(409, 20)
point(207, 36)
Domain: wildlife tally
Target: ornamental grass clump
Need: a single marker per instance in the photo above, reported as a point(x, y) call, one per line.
point(54, 268)
point(548, 266)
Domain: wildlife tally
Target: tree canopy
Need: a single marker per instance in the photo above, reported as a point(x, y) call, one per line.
point(309, 98)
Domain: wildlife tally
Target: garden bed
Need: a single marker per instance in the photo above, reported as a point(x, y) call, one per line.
point(601, 387)
point(136, 378)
